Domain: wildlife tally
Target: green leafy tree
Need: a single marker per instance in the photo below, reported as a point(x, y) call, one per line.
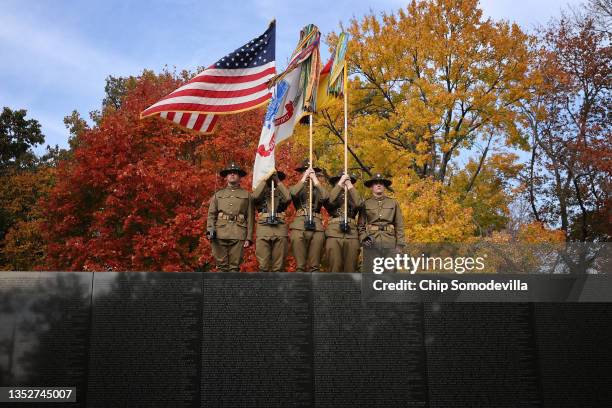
point(18, 136)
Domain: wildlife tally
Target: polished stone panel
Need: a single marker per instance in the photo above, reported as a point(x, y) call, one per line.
point(257, 340)
point(366, 355)
point(145, 342)
point(481, 354)
point(575, 350)
point(44, 327)
point(156, 339)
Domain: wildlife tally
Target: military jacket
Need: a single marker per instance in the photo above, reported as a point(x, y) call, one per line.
point(262, 199)
point(231, 214)
point(335, 208)
point(380, 213)
point(300, 195)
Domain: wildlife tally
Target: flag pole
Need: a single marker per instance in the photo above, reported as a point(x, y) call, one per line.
point(273, 209)
point(345, 143)
point(310, 161)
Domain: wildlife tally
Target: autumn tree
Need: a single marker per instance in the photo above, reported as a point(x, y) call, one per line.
point(22, 243)
point(434, 85)
point(18, 136)
point(24, 180)
point(430, 80)
point(135, 194)
point(569, 174)
point(127, 200)
point(601, 12)
point(433, 214)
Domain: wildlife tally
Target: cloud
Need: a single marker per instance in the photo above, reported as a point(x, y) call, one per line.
point(53, 54)
point(49, 70)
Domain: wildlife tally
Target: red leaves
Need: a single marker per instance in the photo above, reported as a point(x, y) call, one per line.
point(134, 196)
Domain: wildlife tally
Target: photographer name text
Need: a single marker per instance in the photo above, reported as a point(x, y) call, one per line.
point(440, 286)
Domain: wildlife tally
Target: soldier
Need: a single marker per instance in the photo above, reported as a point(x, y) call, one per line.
point(230, 221)
point(307, 235)
point(342, 239)
point(381, 225)
point(272, 234)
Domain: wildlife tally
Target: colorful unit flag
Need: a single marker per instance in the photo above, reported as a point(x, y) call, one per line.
point(284, 111)
point(287, 107)
point(237, 82)
point(309, 81)
point(337, 74)
point(323, 99)
point(331, 77)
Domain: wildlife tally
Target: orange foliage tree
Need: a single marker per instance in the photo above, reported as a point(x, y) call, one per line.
point(135, 193)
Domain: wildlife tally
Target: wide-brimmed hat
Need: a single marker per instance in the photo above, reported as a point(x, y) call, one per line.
point(334, 179)
point(378, 178)
point(232, 168)
point(305, 165)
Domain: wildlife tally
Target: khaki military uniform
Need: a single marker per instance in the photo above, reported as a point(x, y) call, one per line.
point(381, 219)
point(272, 239)
point(342, 249)
point(231, 216)
point(307, 246)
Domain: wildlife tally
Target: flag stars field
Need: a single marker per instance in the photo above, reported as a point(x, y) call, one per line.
point(236, 82)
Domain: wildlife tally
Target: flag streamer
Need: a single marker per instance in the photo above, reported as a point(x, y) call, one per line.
point(337, 76)
point(309, 78)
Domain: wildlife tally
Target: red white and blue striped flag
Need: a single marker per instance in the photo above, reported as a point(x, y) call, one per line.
point(237, 82)
point(200, 122)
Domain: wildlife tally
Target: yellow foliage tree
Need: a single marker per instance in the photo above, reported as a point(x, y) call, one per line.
point(429, 83)
point(536, 232)
point(432, 214)
point(431, 80)
point(22, 244)
point(485, 188)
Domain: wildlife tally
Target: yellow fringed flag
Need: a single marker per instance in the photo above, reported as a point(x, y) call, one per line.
point(323, 99)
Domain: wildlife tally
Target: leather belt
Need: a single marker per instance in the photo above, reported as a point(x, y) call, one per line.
point(301, 212)
point(280, 215)
point(230, 217)
point(341, 219)
point(387, 227)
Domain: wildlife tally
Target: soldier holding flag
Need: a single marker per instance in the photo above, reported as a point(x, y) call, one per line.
point(271, 198)
point(294, 96)
point(342, 236)
point(307, 233)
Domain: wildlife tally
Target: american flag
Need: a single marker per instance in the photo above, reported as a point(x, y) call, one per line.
point(200, 122)
point(236, 83)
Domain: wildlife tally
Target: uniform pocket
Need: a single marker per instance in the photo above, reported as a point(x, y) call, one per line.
point(387, 211)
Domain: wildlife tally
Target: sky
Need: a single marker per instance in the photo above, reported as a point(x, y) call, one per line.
point(55, 55)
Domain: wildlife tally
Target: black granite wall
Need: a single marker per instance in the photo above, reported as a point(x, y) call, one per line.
point(291, 340)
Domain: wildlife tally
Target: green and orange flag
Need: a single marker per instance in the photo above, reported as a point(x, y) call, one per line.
point(337, 76)
point(332, 78)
